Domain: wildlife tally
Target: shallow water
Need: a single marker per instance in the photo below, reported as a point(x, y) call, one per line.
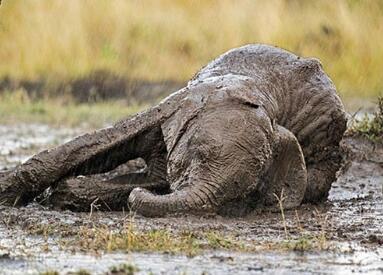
point(352, 220)
point(217, 263)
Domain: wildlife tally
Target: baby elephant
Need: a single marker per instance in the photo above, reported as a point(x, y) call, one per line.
point(220, 143)
point(254, 123)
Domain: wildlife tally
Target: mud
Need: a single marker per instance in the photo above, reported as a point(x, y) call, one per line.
point(349, 225)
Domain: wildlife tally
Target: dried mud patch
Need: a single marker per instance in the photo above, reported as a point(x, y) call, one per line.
point(342, 235)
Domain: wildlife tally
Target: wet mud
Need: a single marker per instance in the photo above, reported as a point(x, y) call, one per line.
point(346, 232)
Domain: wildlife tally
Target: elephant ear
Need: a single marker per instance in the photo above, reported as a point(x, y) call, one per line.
point(287, 174)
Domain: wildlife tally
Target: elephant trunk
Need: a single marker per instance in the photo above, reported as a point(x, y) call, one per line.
point(188, 200)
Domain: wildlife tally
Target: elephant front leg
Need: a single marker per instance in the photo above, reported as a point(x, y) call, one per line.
point(286, 178)
point(94, 153)
point(321, 174)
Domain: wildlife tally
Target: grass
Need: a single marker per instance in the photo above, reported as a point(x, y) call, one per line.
point(124, 269)
point(166, 39)
point(280, 200)
point(16, 107)
point(127, 238)
point(50, 272)
point(80, 272)
point(305, 241)
point(370, 127)
point(159, 240)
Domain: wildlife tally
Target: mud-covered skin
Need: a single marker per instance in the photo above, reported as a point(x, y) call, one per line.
point(230, 141)
point(294, 94)
point(300, 97)
point(256, 120)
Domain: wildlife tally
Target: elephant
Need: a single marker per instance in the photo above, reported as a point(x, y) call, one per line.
point(255, 123)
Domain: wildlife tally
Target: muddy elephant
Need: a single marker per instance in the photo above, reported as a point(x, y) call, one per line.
point(253, 122)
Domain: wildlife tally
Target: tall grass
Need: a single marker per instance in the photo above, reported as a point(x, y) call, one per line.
point(172, 39)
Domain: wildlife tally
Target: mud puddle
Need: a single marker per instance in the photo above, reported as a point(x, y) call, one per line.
point(342, 236)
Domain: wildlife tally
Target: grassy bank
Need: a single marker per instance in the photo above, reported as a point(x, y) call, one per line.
point(369, 126)
point(17, 107)
point(164, 39)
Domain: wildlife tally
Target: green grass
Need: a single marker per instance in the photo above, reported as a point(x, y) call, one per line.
point(172, 39)
point(124, 269)
point(128, 238)
point(370, 127)
point(16, 107)
point(50, 272)
point(305, 243)
point(131, 240)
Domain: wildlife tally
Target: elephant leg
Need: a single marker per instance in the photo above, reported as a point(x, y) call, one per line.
point(286, 175)
point(78, 194)
point(155, 157)
point(94, 153)
point(321, 175)
point(111, 190)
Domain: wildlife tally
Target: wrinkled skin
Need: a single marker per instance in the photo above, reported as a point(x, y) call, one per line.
point(253, 122)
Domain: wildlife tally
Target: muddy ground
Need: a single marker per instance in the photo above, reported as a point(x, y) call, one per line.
point(343, 235)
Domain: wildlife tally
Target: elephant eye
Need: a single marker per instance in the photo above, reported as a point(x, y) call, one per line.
point(252, 105)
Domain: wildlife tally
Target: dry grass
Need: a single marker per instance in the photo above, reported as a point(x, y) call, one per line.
point(128, 238)
point(123, 269)
point(166, 39)
point(305, 240)
point(370, 127)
